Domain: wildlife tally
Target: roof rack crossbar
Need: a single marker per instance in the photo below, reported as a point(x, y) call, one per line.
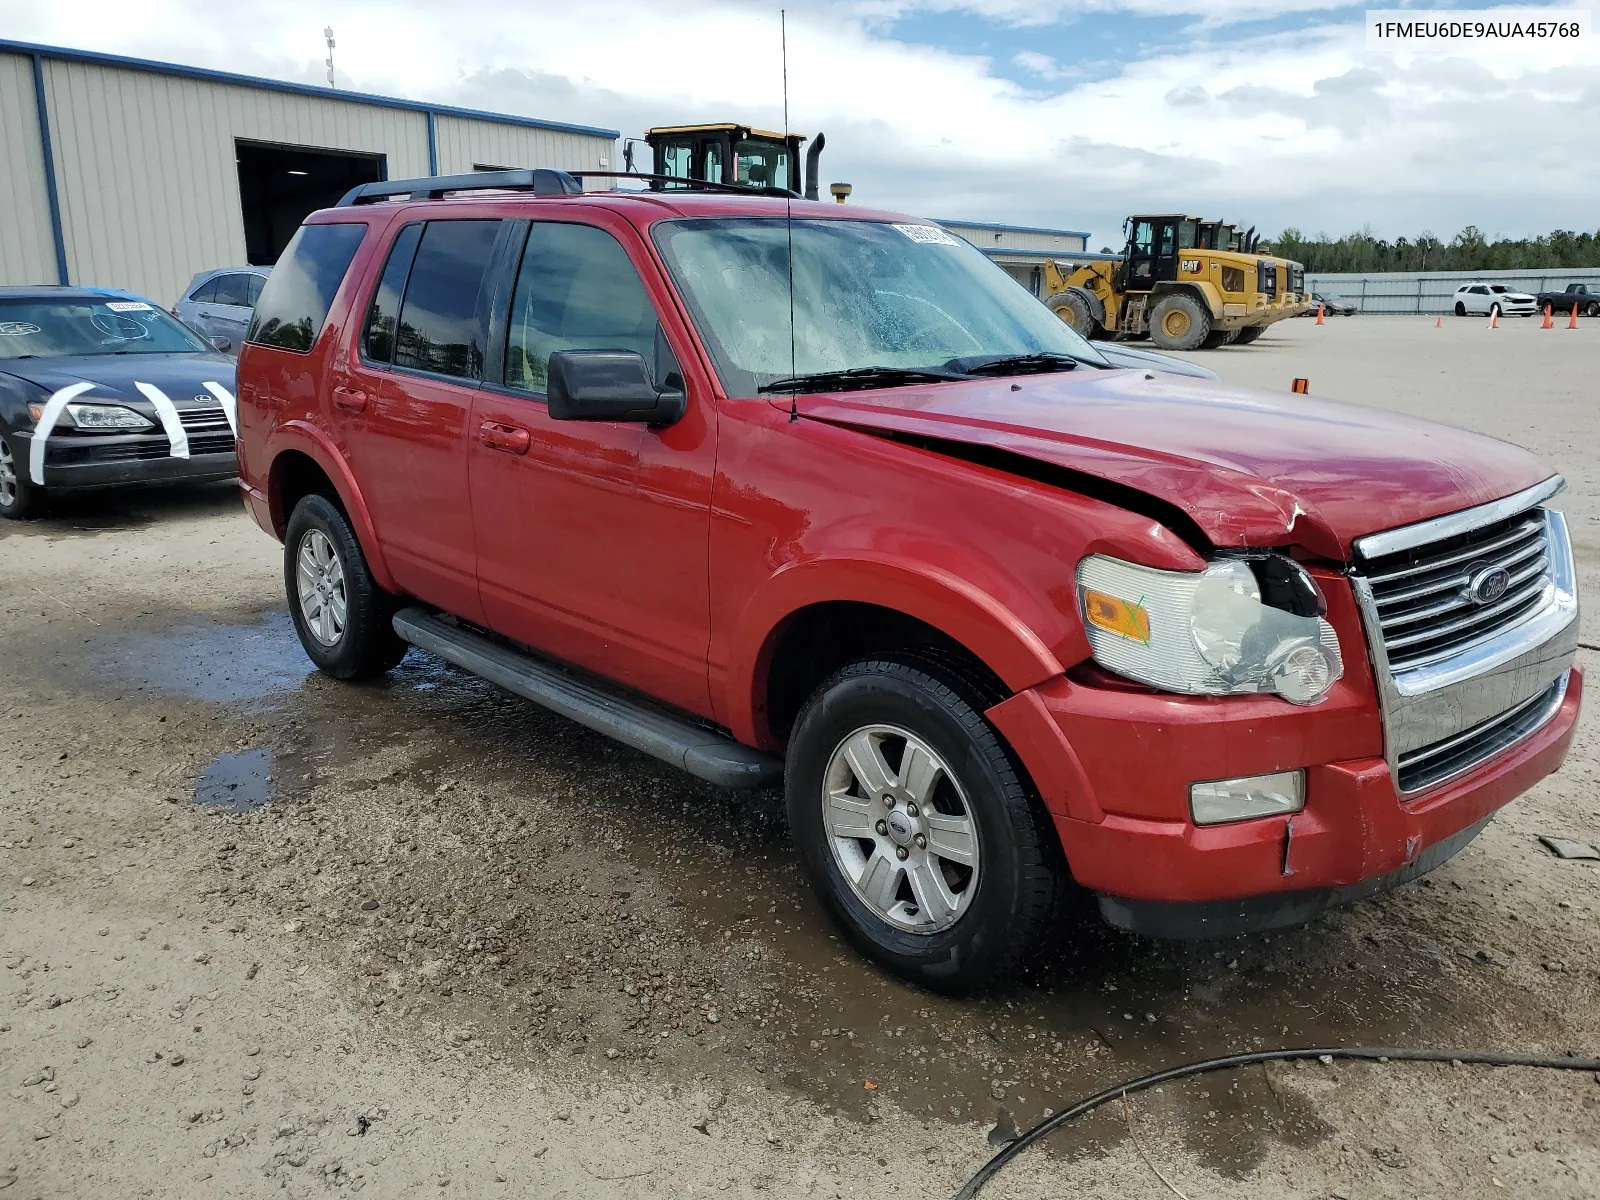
point(696, 185)
point(541, 181)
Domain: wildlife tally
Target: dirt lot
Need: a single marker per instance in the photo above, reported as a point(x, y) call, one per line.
point(267, 934)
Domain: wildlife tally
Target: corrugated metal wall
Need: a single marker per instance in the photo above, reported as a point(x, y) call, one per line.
point(27, 248)
point(464, 144)
point(145, 169)
point(1434, 291)
point(1010, 239)
point(145, 166)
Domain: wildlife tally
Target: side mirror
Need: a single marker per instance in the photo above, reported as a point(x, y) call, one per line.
point(608, 385)
point(220, 344)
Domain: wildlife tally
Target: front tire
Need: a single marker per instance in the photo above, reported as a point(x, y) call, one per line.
point(1494, 311)
point(340, 613)
point(19, 498)
point(1179, 322)
point(1249, 334)
point(919, 835)
point(1593, 310)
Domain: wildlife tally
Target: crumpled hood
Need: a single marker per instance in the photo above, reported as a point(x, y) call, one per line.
point(1250, 468)
point(181, 376)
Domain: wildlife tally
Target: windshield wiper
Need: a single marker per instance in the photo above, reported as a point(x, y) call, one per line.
point(859, 377)
point(1013, 364)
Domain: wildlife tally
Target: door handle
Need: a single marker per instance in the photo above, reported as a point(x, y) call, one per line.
point(350, 399)
point(511, 438)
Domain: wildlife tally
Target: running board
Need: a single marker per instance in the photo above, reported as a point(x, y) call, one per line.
point(702, 752)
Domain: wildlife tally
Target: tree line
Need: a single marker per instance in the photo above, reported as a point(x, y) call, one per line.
point(1469, 250)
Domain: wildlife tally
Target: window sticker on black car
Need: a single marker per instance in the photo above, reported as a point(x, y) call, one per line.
point(128, 306)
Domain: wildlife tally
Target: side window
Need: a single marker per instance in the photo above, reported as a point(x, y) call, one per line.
point(295, 301)
point(576, 290)
point(1144, 238)
point(1167, 246)
point(377, 340)
point(234, 290)
point(206, 293)
point(257, 282)
point(438, 329)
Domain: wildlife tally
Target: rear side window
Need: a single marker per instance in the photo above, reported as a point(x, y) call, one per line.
point(234, 290)
point(378, 338)
point(576, 290)
point(439, 316)
point(295, 301)
point(206, 292)
point(256, 284)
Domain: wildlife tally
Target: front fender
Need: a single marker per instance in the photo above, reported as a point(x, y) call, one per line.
point(307, 439)
point(950, 604)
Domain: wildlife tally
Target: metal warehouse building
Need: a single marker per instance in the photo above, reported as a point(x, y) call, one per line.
point(1022, 249)
point(121, 172)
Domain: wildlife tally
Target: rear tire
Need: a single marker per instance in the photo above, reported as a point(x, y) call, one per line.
point(1249, 334)
point(340, 613)
point(1072, 309)
point(1179, 322)
point(956, 922)
point(1461, 309)
point(19, 498)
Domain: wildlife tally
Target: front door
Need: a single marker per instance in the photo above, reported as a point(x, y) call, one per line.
point(405, 406)
point(1141, 256)
point(592, 535)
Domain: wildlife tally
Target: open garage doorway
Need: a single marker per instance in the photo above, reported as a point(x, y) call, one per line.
point(279, 185)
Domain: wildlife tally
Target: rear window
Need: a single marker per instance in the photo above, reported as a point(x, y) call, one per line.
point(295, 301)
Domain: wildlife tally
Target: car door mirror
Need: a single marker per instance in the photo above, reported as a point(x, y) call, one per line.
point(608, 385)
point(220, 344)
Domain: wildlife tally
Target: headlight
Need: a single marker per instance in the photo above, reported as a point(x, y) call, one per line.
point(106, 416)
point(1239, 626)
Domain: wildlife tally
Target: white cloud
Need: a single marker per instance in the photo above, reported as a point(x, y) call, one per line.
point(1305, 129)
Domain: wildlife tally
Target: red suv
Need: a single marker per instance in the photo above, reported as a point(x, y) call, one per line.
point(790, 492)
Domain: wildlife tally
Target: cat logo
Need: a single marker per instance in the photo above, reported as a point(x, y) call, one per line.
point(1190, 264)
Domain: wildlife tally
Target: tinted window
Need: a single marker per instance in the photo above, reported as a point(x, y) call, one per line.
point(576, 290)
point(256, 284)
point(233, 289)
point(206, 292)
point(378, 339)
point(439, 317)
point(294, 303)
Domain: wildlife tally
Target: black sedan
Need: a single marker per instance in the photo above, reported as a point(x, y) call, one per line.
point(103, 389)
point(1332, 306)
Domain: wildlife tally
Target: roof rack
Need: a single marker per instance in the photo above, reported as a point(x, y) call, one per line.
point(541, 181)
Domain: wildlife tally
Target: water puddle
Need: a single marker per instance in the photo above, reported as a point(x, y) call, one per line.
point(237, 783)
point(221, 663)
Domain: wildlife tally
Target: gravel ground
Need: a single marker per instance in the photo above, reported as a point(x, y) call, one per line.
point(267, 933)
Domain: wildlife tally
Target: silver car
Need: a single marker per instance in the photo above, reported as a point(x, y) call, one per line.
point(218, 304)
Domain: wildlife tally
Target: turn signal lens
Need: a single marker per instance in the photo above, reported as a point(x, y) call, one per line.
point(1116, 615)
point(36, 411)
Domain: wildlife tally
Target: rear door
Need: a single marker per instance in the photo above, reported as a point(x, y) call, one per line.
point(404, 405)
point(229, 309)
point(592, 535)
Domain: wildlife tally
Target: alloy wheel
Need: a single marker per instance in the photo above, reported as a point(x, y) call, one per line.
point(320, 578)
point(900, 828)
point(8, 475)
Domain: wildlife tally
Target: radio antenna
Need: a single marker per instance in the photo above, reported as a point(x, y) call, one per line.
point(788, 207)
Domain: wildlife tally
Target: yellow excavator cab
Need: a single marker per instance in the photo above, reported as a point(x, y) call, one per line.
point(730, 154)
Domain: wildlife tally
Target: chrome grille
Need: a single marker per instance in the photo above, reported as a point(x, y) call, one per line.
point(1424, 610)
point(207, 419)
point(1456, 755)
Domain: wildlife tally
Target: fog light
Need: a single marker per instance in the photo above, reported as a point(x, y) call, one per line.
point(1219, 800)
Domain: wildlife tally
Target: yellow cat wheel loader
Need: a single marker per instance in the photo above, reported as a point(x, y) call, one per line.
point(729, 153)
point(1185, 283)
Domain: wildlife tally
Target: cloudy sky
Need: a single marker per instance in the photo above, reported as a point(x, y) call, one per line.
point(1066, 113)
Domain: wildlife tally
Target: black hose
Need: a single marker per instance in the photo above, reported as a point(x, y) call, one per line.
point(1229, 1062)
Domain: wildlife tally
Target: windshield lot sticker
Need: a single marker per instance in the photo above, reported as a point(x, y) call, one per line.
point(17, 329)
point(128, 306)
point(930, 235)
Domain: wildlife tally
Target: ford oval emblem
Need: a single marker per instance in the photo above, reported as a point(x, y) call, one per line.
point(1488, 584)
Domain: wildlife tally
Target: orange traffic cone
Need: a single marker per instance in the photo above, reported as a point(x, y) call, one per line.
point(1320, 321)
point(1494, 319)
point(1438, 322)
point(1573, 322)
point(1548, 323)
